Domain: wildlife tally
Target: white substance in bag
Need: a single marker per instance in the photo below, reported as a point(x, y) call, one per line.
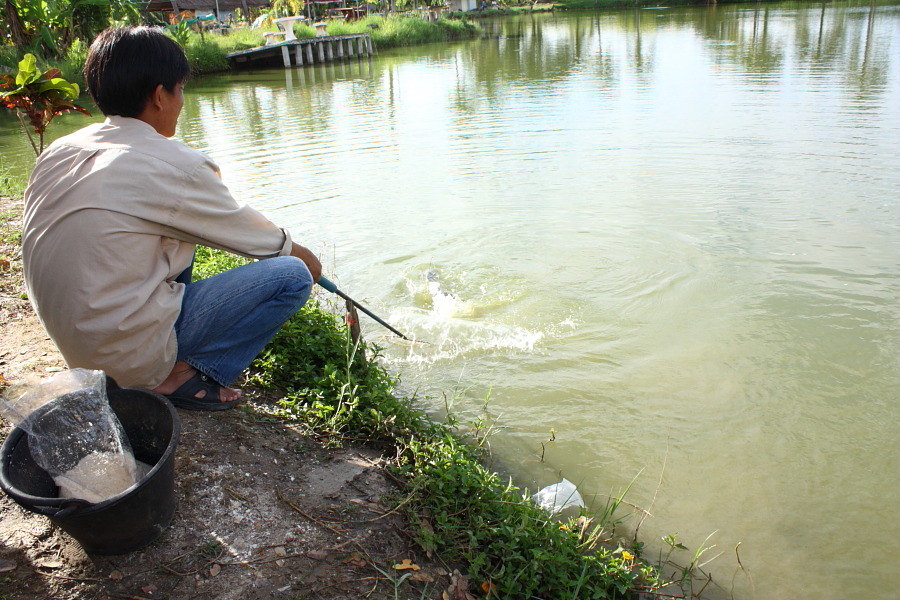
point(74, 435)
point(98, 476)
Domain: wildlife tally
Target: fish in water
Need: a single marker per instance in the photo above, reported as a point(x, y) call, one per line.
point(434, 285)
point(444, 303)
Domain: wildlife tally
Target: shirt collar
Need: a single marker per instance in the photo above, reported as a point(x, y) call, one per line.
point(129, 123)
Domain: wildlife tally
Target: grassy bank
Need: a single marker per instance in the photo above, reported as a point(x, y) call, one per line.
point(208, 53)
point(461, 510)
point(399, 30)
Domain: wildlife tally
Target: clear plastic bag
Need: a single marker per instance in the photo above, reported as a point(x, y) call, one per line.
point(558, 497)
point(74, 435)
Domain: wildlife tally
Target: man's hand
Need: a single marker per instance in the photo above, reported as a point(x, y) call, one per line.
point(303, 253)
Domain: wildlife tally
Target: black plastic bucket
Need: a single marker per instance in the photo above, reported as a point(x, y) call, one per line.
point(122, 523)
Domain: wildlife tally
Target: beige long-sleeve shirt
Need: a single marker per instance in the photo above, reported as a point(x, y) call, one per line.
point(112, 214)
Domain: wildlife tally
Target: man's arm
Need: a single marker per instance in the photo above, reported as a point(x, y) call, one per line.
point(207, 214)
point(303, 253)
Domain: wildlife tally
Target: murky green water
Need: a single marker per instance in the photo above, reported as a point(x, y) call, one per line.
point(669, 235)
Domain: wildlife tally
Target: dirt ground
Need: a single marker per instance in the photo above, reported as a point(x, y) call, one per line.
point(263, 511)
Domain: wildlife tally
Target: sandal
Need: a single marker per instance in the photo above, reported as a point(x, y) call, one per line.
point(186, 395)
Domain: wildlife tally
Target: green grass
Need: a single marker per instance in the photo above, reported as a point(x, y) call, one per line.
point(400, 30)
point(9, 235)
point(12, 182)
point(461, 510)
point(208, 53)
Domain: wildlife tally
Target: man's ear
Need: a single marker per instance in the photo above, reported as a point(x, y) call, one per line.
point(155, 101)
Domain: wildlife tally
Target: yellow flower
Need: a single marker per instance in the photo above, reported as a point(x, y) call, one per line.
point(627, 555)
point(564, 527)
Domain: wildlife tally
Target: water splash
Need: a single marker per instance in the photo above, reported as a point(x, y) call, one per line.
point(451, 337)
point(458, 314)
point(444, 304)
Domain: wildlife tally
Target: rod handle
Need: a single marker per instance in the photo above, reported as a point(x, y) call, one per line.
point(327, 284)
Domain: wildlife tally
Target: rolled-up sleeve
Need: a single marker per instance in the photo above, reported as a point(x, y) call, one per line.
point(206, 213)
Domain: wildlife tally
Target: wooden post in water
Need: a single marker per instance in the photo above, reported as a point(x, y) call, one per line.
point(352, 320)
point(356, 45)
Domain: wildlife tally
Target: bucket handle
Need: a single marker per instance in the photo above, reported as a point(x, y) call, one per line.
point(53, 507)
point(72, 506)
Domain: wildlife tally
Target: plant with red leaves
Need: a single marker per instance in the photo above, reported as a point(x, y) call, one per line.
point(38, 96)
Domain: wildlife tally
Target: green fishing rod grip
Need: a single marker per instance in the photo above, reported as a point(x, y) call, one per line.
point(327, 284)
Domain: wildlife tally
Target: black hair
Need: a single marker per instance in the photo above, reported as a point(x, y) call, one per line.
point(125, 64)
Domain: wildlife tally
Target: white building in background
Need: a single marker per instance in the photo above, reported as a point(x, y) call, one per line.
point(464, 5)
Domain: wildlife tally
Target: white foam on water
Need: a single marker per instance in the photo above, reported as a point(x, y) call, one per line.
point(449, 337)
point(446, 305)
point(457, 313)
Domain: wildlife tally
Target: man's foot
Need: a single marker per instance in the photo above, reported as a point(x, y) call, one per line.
point(182, 372)
point(189, 395)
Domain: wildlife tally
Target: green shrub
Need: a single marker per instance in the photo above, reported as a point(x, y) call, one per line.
point(238, 39)
point(205, 56)
point(9, 58)
point(70, 65)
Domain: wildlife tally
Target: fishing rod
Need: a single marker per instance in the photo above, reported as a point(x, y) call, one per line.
point(328, 285)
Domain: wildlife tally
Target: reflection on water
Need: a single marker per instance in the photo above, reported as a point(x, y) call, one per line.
point(670, 235)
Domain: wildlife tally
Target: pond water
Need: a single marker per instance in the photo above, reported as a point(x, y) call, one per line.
point(668, 236)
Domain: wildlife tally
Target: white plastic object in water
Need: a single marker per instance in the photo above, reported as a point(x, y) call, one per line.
point(558, 497)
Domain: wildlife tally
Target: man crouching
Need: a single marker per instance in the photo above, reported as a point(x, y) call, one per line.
point(112, 215)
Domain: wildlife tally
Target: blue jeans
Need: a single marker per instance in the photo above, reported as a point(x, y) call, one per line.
point(228, 318)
